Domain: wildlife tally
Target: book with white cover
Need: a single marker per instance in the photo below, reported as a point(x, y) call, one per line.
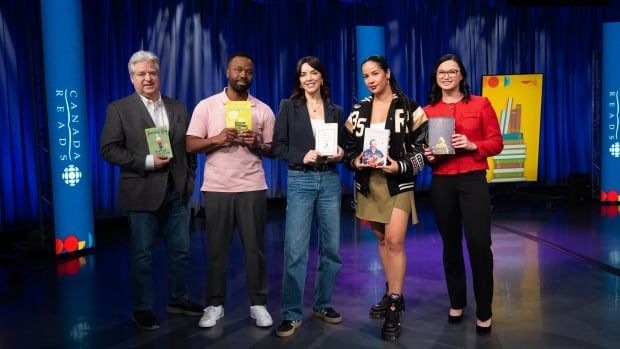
point(326, 139)
point(376, 141)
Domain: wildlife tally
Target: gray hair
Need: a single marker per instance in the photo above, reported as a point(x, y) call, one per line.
point(142, 56)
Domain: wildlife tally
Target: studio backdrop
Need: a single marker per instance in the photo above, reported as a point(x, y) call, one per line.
point(193, 39)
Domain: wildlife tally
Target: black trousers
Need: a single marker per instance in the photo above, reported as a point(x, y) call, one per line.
point(245, 211)
point(463, 201)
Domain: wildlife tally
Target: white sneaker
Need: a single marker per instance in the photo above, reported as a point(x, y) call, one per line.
point(211, 315)
point(261, 315)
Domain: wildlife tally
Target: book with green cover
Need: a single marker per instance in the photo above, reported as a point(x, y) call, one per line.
point(239, 115)
point(159, 141)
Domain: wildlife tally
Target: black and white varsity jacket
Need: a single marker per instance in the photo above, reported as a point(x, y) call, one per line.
point(408, 134)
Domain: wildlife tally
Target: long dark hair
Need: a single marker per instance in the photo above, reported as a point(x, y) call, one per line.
point(434, 94)
point(382, 62)
point(298, 94)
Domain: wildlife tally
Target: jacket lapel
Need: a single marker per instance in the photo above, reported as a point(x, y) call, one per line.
point(330, 114)
point(171, 116)
point(144, 113)
point(302, 112)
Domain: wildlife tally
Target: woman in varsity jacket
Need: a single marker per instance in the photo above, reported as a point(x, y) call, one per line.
point(385, 191)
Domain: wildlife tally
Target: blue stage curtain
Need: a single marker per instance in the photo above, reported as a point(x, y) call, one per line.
point(193, 39)
point(21, 88)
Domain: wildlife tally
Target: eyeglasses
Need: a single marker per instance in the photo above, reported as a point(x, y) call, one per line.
point(449, 73)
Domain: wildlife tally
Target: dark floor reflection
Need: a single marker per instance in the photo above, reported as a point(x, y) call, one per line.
point(555, 287)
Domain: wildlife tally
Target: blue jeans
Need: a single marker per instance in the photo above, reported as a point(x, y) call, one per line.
point(172, 219)
point(309, 191)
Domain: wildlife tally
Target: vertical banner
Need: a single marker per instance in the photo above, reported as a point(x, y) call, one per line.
point(67, 124)
point(369, 40)
point(610, 120)
point(517, 101)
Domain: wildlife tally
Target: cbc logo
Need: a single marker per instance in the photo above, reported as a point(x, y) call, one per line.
point(71, 175)
point(614, 149)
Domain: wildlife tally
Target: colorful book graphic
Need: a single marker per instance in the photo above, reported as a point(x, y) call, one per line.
point(158, 141)
point(509, 165)
point(239, 115)
point(440, 131)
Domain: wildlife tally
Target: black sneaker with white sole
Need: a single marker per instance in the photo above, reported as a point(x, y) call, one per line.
point(287, 328)
point(328, 315)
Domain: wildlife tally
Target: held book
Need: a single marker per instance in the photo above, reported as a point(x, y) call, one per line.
point(440, 131)
point(159, 141)
point(326, 139)
point(376, 141)
point(239, 115)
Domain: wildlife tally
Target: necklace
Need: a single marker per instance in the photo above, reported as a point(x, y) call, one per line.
point(313, 106)
point(316, 106)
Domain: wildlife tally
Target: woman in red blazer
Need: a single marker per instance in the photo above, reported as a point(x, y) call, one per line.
point(459, 191)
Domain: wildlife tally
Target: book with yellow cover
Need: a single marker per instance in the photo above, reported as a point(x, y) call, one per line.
point(159, 141)
point(239, 115)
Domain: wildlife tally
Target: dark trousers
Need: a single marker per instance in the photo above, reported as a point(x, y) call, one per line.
point(172, 220)
point(462, 201)
point(245, 211)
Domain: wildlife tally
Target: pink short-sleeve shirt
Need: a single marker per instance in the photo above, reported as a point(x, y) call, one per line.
point(235, 168)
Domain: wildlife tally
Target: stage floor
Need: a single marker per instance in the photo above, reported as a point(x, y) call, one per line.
point(557, 285)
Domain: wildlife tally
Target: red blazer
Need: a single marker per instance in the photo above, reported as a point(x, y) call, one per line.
point(477, 120)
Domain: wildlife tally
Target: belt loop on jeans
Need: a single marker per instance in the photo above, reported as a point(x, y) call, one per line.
point(313, 168)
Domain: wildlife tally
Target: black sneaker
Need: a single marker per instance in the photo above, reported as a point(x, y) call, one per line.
point(145, 320)
point(287, 327)
point(186, 308)
point(328, 315)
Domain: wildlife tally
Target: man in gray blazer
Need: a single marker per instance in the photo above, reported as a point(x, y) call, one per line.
point(154, 189)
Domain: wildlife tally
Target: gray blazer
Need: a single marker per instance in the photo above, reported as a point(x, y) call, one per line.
point(123, 143)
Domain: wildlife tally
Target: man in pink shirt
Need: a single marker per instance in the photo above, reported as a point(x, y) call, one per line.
point(234, 188)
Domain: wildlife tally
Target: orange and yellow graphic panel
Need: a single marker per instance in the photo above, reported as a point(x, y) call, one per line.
point(517, 100)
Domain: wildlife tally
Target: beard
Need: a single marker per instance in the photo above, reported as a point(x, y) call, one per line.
point(240, 88)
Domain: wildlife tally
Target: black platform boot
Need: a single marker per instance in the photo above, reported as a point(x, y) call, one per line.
point(377, 311)
point(391, 326)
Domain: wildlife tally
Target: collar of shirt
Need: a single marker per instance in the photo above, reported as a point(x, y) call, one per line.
point(224, 98)
point(156, 110)
point(151, 104)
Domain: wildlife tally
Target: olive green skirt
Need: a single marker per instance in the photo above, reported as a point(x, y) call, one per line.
point(378, 205)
